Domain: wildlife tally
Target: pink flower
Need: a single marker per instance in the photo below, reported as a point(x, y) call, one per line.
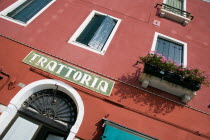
point(153, 51)
point(164, 57)
point(162, 60)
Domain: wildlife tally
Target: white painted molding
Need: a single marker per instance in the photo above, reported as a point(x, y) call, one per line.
point(2, 108)
point(28, 90)
point(185, 94)
point(172, 40)
point(72, 40)
point(176, 17)
point(7, 116)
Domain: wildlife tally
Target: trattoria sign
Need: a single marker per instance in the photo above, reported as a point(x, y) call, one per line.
point(69, 73)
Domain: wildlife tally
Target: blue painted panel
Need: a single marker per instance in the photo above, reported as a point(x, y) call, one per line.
point(112, 133)
point(170, 50)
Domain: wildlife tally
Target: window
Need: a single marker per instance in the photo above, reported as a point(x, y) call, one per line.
point(24, 11)
point(48, 114)
point(179, 4)
point(171, 48)
point(96, 32)
point(25, 128)
point(175, 10)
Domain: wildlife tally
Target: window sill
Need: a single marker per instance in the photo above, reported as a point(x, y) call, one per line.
point(185, 94)
point(86, 47)
point(13, 20)
point(176, 17)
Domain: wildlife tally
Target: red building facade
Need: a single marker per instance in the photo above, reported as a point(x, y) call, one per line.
point(97, 72)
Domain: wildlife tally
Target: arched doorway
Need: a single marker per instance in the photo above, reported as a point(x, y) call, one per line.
point(45, 109)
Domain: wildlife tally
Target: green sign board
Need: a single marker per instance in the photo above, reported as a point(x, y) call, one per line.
point(70, 73)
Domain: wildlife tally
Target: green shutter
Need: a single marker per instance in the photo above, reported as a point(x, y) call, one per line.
point(179, 4)
point(19, 8)
point(90, 29)
point(176, 3)
point(100, 37)
point(28, 9)
point(169, 49)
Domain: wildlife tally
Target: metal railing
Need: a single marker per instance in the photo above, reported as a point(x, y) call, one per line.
point(175, 10)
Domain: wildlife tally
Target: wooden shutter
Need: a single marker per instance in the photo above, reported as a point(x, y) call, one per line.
point(175, 3)
point(28, 9)
point(102, 34)
point(90, 29)
point(169, 49)
point(19, 8)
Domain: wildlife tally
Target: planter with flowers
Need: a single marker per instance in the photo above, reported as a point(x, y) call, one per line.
point(165, 75)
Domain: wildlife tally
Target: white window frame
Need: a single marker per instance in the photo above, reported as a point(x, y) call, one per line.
point(73, 41)
point(172, 40)
point(3, 14)
point(206, 0)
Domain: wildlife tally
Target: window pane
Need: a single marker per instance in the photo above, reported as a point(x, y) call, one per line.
point(28, 9)
point(22, 129)
point(178, 54)
point(54, 137)
point(169, 49)
point(90, 29)
point(175, 3)
point(100, 37)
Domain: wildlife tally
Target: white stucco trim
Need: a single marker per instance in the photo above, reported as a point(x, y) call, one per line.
point(72, 40)
point(172, 40)
point(27, 91)
point(15, 5)
point(2, 108)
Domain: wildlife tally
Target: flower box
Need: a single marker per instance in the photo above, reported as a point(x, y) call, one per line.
point(184, 93)
point(171, 77)
point(162, 73)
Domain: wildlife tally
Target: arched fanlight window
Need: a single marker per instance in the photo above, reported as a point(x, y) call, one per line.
point(47, 114)
point(53, 104)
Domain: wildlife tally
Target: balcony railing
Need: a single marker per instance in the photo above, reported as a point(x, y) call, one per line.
point(175, 10)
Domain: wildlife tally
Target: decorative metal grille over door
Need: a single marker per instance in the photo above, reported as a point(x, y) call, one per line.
point(53, 104)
